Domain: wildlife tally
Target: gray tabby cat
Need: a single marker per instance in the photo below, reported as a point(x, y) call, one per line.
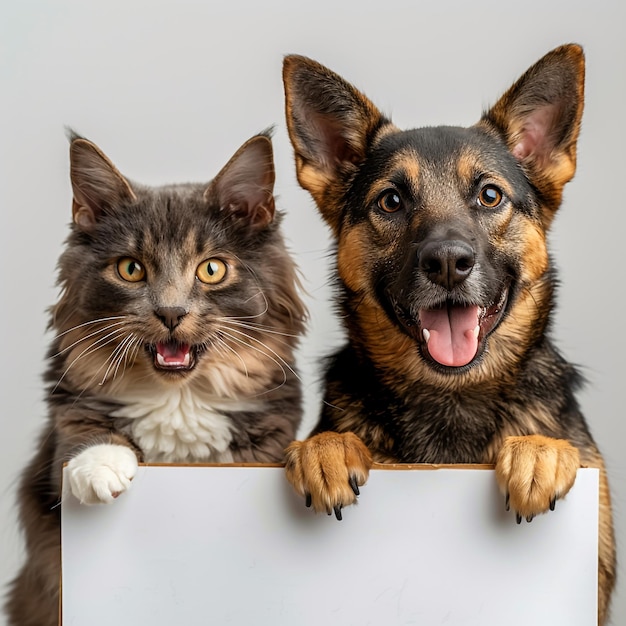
point(175, 333)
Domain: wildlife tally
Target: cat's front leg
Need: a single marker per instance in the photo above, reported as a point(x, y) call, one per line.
point(100, 473)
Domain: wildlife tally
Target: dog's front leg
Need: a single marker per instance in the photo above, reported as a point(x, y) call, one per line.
point(328, 469)
point(534, 471)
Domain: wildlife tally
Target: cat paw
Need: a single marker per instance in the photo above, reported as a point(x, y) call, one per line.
point(533, 472)
point(100, 473)
point(328, 469)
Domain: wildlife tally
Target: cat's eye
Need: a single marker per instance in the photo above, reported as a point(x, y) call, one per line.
point(490, 196)
point(212, 271)
point(130, 270)
point(389, 201)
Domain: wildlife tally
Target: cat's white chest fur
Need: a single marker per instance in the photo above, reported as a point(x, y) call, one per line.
point(180, 424)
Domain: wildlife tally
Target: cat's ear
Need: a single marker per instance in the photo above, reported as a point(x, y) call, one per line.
point(245, 185)
point(96, 183)
point(539, 119)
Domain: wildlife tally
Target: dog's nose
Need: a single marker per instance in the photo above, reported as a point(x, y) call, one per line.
point(170, 315)
point(447, 263)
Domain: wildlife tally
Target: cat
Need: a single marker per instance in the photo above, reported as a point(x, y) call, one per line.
point(175, 333)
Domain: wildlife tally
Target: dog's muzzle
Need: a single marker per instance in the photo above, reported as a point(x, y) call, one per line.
point(443, 311)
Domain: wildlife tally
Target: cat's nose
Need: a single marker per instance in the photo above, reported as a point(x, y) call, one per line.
point(171, 316)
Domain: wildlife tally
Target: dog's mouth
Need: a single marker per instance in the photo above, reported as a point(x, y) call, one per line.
point(173, 356)
point(454, 335)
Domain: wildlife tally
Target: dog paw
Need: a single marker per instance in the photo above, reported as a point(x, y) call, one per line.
point(534, 472)
point(100, 473)
point(328, 469)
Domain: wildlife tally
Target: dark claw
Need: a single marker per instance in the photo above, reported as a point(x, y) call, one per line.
point(338, 512)
point(553, 503)
point(529, 518)
point(329, 512)
point(518, 518)
point(307, 500)
point(354, 486)
point(506, 502)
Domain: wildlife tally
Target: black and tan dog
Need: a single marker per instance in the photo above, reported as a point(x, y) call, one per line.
point(446, 288)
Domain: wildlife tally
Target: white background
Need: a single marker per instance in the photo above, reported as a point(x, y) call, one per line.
point(169, 90)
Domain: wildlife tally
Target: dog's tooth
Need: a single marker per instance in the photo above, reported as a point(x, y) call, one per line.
point(426, 334)
point(476, 331)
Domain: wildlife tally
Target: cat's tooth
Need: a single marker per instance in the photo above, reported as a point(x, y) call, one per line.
point(160, 359)
point(426, 334)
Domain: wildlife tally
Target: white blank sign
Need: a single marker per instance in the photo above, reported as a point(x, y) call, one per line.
point(233, 545)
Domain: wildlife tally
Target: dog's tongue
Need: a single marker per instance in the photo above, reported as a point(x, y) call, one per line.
point(451, 335)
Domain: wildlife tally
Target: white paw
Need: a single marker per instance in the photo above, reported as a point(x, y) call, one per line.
point(101, 473)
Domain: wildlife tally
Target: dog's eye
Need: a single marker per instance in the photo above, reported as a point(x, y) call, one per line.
point(490, 196)
point(130, 270)
point(212, 271)
point(390, 201)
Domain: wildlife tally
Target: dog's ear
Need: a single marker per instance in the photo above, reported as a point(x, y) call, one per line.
point(539, 118)
point(330, 125)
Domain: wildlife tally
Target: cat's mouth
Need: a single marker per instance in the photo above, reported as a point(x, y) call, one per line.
point(173, 356)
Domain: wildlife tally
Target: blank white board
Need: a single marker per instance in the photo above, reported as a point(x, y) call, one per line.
point(192, 545)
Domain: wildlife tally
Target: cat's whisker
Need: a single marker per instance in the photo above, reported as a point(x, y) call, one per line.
point(225, 345)
point(89, 384)
point(252, 297)
point(110, 360)
point(267, 306)
point(258, 327)
point(131, 347)
point(277, 361)
point(244, 317)
point(94, 347)
point(266, 347)
point(96, 321)
point(258, 282)
point(122, 354)
point(85, 337)
point(117, 356)
point(271, 389)
point(132, 353)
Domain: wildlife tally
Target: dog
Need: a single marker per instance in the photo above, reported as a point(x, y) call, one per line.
point(446, 287)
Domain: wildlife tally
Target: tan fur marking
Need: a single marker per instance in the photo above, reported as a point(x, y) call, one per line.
point(534, 471)
point(470, 163)
point(322, 466)
point(353, 257)
point(384, 131)
point(404, 163)
point(534, 253)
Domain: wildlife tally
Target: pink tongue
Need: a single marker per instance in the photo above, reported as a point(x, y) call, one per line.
point(173, 352)
point(452, 340)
